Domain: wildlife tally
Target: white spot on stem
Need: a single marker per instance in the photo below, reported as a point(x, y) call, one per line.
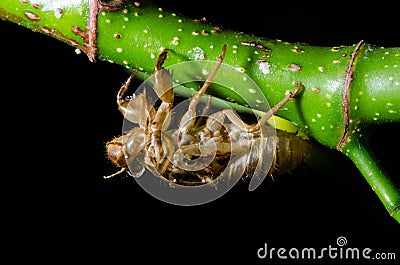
point(196, 54)
point(264, 66)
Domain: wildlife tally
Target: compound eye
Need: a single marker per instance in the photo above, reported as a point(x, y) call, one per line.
point(116, 154)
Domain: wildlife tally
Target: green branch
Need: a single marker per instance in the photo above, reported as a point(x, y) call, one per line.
point(347, 89)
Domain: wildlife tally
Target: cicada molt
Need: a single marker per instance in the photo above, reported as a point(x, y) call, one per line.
point(202, 147)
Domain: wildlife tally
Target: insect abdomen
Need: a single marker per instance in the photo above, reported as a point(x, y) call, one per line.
point(291, 151)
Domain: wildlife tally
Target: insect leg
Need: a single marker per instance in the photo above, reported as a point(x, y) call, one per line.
point(218, 117)
point(275, 108)
point(203, 115)
point(163, 79)
point(216, 120)
point(164, 90)
point(188, 121)
point(121, 101)
point(196, 98)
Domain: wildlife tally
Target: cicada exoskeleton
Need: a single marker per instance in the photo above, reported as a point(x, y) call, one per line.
point(204, 145)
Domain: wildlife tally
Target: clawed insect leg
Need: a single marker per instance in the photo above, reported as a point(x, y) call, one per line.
point(160, 60)
point(163, 80)
point(215, 121)
point(136, 108)
point(121, 101)
point(164, 90)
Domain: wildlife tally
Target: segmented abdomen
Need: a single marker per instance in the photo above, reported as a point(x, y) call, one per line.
point(286, 151)
point(291, 150)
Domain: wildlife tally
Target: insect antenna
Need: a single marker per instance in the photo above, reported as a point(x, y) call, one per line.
point(122, 170)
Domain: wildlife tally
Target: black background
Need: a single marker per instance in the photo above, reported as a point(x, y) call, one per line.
point(59, 109)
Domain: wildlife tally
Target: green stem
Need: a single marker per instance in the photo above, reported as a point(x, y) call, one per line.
point(133, 35)
point(385, 188)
